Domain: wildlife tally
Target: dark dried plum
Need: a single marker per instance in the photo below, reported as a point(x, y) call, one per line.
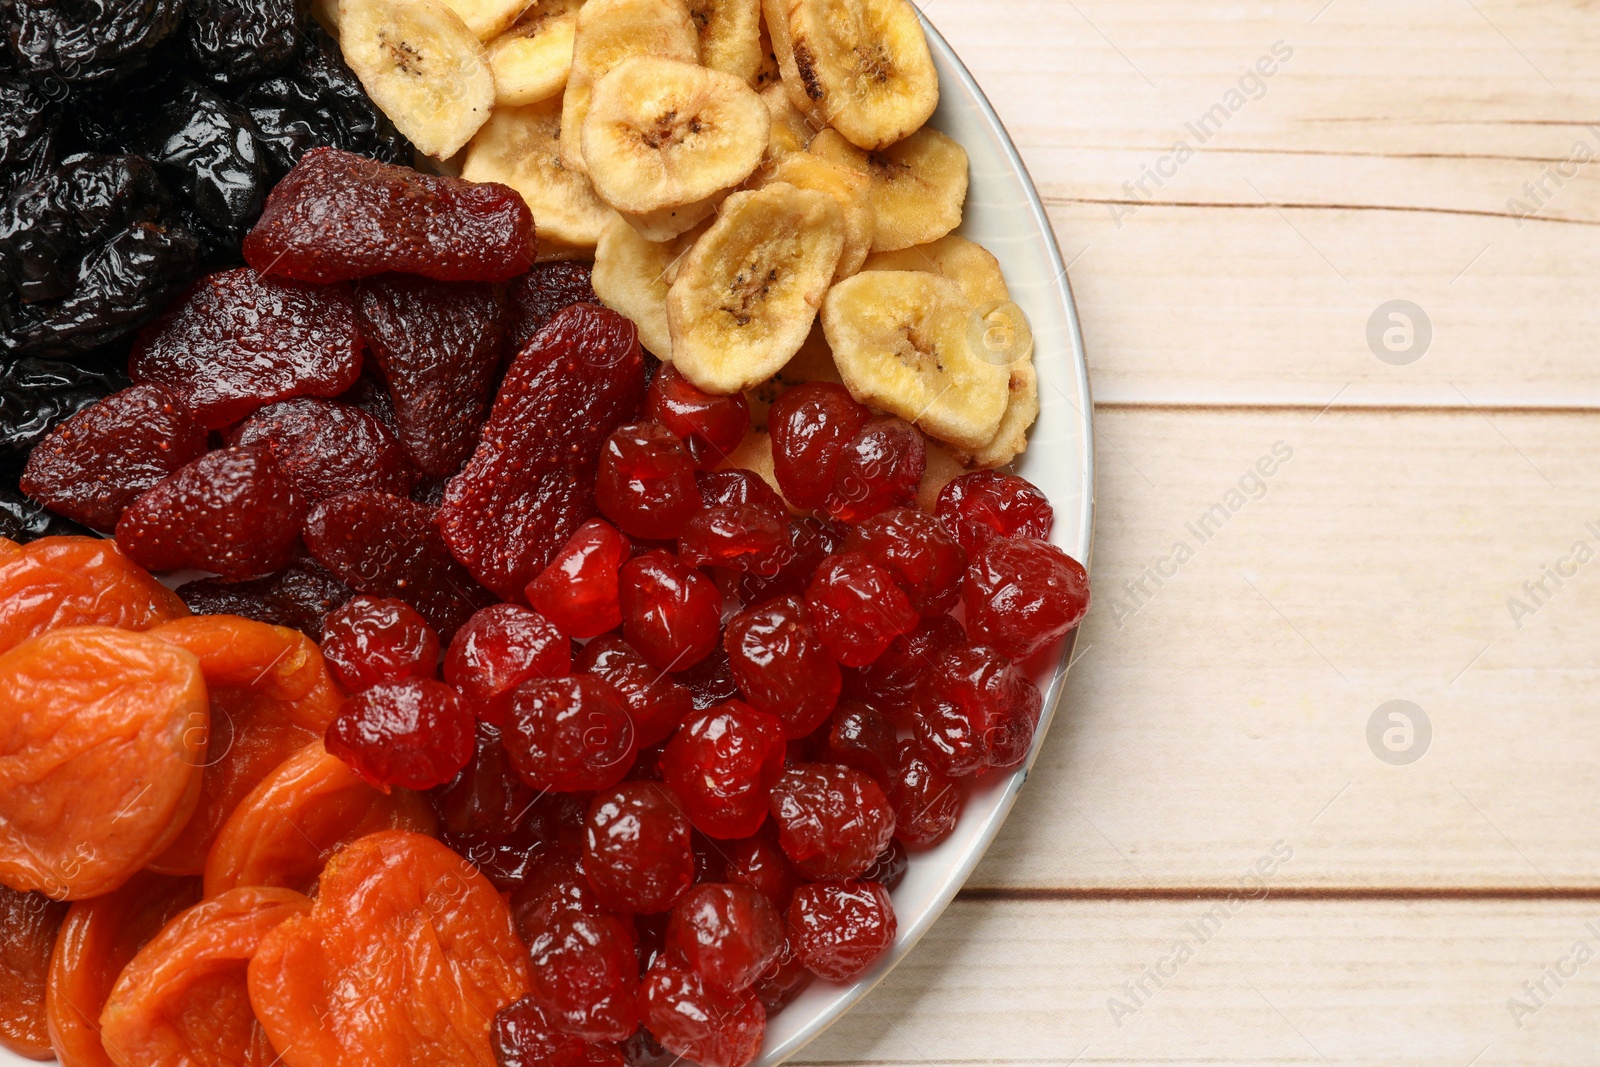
point(439, 345)
point(326, 448)
point(29, 133)
point(544, 290)
point(236, 41)
point(299, 596)
point(85, 42)
point(39, 394)
point(22, 520)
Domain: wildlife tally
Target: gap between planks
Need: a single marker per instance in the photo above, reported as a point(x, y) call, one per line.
point(1043, 894)
point(1349, 407)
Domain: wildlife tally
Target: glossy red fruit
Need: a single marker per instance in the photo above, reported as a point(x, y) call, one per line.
point(889, 683)
point(237, 341)
point(412, 733)
point(811, 426)
point(485, 798)
point(338, 216)
point(645, 483)
point(919, 552)
point(743, 537)
point(758, 862)
point(697, 1021)
point(722, 764)
point(569, 735)
point(578, 590)
point(547, 288)
point(880, 468)
point(927, 802)
point(91, 467)
point(657, 702)
point(712, 426)
point(735, 486)
point(671, 613)
point(832, 820)
point(498, 649)
point(636, 850)
point(326, 448)
point(231, 512)
point(985, 504)
point(375, 639)
point(530, 484)
point(728, 934)
point(811, 540)
point(786, 979)
point(889, 869)
point(523, 1037)
point(781, 665)
point(1022, 594)
point(862, 737)
point(389, 546)
point(585, 973)
point(558, 885)
point(710, 682)
point(857, 608)
point(975, 712)
point(439, 345)
point(840, 929)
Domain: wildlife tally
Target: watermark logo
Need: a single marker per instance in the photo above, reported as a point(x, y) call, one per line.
point(1399, 732)
point(1399, 333)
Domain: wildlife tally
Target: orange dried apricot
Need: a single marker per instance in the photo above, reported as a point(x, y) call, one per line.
point(101, 742)
point(28, 924)
point(403, 960)
point(98, 939)
point(270, 696)
point(8, 548)
point(78, 581)
point(183, 1000)
point(310, 806)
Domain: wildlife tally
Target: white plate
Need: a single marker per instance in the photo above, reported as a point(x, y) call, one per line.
point(1005, 216)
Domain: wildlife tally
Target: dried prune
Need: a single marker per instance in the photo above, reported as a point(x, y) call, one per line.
point(37, 395)
point(235, 41)
point(231, 512)
point(91, 467)
point(338, 216)
point(530, 484)
point(326, 448)
point(546, 289)
point(78, 581)
point(299, 596)
point(22, 520)
point(440, 345)
point(28, 925)
point(29, 131)
point(238, 340)
point(389, 546)
point(86, 42)
point(103, 739)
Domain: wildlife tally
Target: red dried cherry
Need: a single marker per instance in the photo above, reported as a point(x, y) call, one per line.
point(578, 590)
point(727, 934)
point(832, 820)
point(671, 613)
point(919, 552)
point(656, 701)
point(742, 537)
point(811, 427)
point(736, 486)
point(645, 483)
point(585, 974)
point(890, 682)
point(781, 664)
point(556, 886)
point(710, 682)
point(927, 802)
point(636, 850)
point(326, 448)
point(569, 735)
point(811, 540)
point(712, 426)
point(374, 639)
point(985, 504)
point(841, 928)
point(975, 712)
point(498, 649)
point(784, 980)
point(412, 733)
point(721, 764)
point(758, 862)
point(1021, 594)
point(486, 798)
point(857, 608)
point(880, 468)
point(889, 869)
point(697, 1021)
point(862, 737)
point(523, 1037)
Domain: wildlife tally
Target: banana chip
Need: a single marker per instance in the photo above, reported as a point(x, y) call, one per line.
point(919, 186)
point(531, 58)
point(521, 147)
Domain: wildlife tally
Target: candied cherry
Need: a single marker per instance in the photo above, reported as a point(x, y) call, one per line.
point(585, 973)
point(889, 869)
point(373, 639)
point(670, 612)
point(927, 802)
point(1021, 594)
point(656, 701)
point(735, 486)
point(696, 1020)
point(781, 665)
point(832, 820)
point(578, 590)
point(486, 798)
point(984, 504)
point(728, 934)
point(569, 735)
point(857, 608)
point(498, 649)
point(841, 928)
point(975, 712)
point(758, 862)
point(784, 980)
point(523, 1037)
point(919, 552)
point(812, 426)
point(710, 682)
point(556, 886)
point(645, 483)
point(636, 851)
point(880, 468)
point(712, 426)
point(862, 737)
point(811, 540)
point(889, 683)
point(741, 537)
point(721, 764)
point(411, 733)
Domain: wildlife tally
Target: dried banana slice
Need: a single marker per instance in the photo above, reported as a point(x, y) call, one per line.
point(631, 277)
point(730, 35)
point(791, 130)
point(967, 263)
point(662, 133)
point(860, 66)
point(767, 73)
point(672, 222)
point(918, 186)
point(747, 295)
point(846, 186)
point(521, 147)
point(487, 18)
point(901, 340)
point(608, 32)
point(531, 58)
point(1022, 408)
point(422, 67)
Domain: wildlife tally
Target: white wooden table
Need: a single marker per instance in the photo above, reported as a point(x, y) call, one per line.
point(1418, 544)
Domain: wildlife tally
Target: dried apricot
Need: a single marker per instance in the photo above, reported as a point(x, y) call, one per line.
point(183, 1000)
point(432, 942)
point(96, 942)
point(8, 548)
point(101, 741)
point(28, 924)
point(78, 581)
point(310, 806)
point(271, 695)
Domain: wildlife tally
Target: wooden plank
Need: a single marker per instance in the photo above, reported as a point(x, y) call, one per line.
point(1275, 983)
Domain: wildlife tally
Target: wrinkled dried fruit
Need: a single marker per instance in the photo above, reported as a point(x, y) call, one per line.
point(927, 802)
point(810, 541)
point(486, 799)
point(78, 581)
point(656, 700)
point(694, 1019)
point(742, 537)
point(547, 288)
point(880, 468)
point(326, 448)
point(1021, 594)
point(862, 737)
point(28, 925)
point(781, 665)
point(890, 682)
point(372, 639)
point(569, 735)
point(731, 487)
point(975, 712)
point(645, 483)
point(840, 929)
point(712, 426)
point(985, 504)
point(37, 395)
point(671, 613)
point(722, 764)
point(90, 43)
point(299, 597)
point(832, 821)
point(710, 682)
point(237, 41)
point(585, 970)
point(636, 848)
point(857, 608)
point(728, 934)
point(411, 733)
point(524, 1037)
point(578, 590)
point(497, 650)
point(758, 862)
point(812, 426)
point(919, 552)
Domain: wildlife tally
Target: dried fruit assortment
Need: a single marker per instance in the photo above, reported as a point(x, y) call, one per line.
point(524, 699)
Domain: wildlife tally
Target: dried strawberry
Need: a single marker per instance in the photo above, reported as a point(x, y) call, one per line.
point(389, 546)
point(237, 341)
point(338, 216)
point(299, 597)
point(530, 484)
point(231, 512)
point(326, 448)
point(439, 345)
point(91, 467)
point(544, 290)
